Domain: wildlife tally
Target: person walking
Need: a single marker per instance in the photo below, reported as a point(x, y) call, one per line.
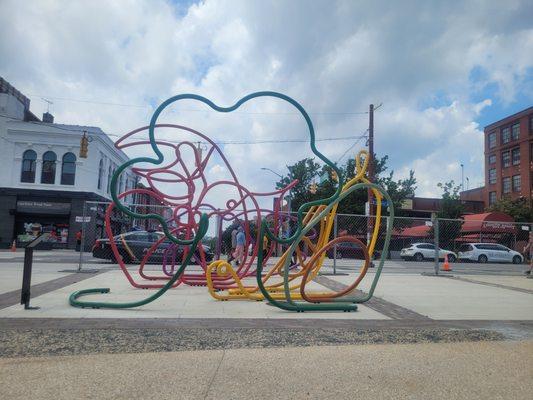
point(78, 240)
point(528, 251)
point(240, 240)
point(233, 244)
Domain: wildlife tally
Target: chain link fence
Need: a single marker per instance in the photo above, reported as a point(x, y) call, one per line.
point(413, 238)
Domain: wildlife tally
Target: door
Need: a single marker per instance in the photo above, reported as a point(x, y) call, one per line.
point(504, 255)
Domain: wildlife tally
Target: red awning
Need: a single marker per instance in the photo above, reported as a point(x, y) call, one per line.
point(493, 222)
point(414, 232)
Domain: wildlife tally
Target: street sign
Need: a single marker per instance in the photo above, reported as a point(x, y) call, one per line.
point(82, 219)
point(384, 203)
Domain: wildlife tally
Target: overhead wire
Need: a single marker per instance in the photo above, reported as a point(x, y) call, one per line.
point(196, 110)
point(352, 146)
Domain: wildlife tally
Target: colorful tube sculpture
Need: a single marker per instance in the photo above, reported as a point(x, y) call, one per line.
point(281, 286)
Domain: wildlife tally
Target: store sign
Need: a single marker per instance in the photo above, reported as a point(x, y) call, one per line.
point(83, 219)
point(498, 225)
point(42, 207)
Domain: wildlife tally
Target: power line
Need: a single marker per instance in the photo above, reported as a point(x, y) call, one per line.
point(261, 141)
point(352, 146)
point(195, 110)
point(234, 142)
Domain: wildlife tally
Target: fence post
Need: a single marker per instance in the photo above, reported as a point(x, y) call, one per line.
point(335, 246)
point(436, 241)
point(388, 227)
point(218, 247)
point(83, 227)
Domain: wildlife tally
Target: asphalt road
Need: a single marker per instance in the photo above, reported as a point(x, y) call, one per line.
point(344, 265)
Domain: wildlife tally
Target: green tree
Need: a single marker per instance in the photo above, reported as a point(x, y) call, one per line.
point(451, 209)
point(308, 171)
point(519, 209)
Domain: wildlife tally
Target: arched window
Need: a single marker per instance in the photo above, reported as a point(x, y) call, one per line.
point(121, 184)
point(68, 169)
point(28, 166)
point(48, 174)
point(100, 174)
point(109, 174)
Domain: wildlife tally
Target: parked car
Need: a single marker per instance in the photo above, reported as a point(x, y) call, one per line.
point(349, 250)
point(425, 251)
point(485, 252)
point(133, 246)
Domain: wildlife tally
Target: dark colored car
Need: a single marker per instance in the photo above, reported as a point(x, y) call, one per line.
point(133, 246)
point(347, 250)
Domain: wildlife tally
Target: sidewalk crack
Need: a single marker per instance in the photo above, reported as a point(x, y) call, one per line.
point(214, 374)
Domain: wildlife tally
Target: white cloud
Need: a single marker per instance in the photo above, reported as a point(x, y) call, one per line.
point(333, 57)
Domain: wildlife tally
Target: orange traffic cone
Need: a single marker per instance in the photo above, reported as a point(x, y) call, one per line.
point(446, 265)
point(14, 246)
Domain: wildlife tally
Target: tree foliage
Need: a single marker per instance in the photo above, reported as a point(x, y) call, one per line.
point(451, 209)
point(308, 171)
point(519, 209)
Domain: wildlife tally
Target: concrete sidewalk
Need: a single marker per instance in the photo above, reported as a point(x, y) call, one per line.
point(482, 370)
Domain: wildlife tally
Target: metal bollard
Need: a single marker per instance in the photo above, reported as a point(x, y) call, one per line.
point(25, 293)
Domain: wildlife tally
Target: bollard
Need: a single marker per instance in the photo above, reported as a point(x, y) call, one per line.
point(25, 293)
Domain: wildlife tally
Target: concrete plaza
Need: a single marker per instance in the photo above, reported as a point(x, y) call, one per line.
point(468, 334)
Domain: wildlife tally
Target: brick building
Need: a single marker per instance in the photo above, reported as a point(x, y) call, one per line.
point(509, 157)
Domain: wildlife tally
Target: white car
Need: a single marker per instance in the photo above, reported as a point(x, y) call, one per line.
point(485, 252)
point(423, 251)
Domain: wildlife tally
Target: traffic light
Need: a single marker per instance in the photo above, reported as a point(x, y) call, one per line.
point(313, 187)
point(84, 146)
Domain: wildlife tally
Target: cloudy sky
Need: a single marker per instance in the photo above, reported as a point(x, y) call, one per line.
point(442, 70)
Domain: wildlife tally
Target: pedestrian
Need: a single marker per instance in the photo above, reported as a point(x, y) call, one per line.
point(265, 246)
point(528, 251)
point(240, 240)
point(78, 240)
point(233, 244)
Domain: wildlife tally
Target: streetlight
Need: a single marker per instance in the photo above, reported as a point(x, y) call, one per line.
point(462, 177)
point(290, 190)
point(274, 172)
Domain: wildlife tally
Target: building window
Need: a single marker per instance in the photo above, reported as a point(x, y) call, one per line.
point(492, 198)
point(100, 173)
point(515, 131)
point(506, 184)
point(492, 176)
point(506, 135)
point(121, 184)
point(516, 156)
point(48, 174)
point(68, 169)
point(28, 166)
point(492, 159)
point(492, 140)
point(506, 159)
point(109, 172)
point(516, 183)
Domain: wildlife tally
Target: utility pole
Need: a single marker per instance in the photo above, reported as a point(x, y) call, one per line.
point(370, 223)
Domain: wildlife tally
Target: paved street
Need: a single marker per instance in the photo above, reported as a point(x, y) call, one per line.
point(72, 258)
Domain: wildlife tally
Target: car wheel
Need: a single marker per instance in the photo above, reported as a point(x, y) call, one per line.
point(419, 257)
point(339, 255)
point(517, 260)
point(451, 258)
point(482, 259)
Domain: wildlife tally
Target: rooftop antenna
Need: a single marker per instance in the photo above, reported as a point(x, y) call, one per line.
point(48, 103)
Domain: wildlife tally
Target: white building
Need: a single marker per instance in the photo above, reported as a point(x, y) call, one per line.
point(44, 181)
